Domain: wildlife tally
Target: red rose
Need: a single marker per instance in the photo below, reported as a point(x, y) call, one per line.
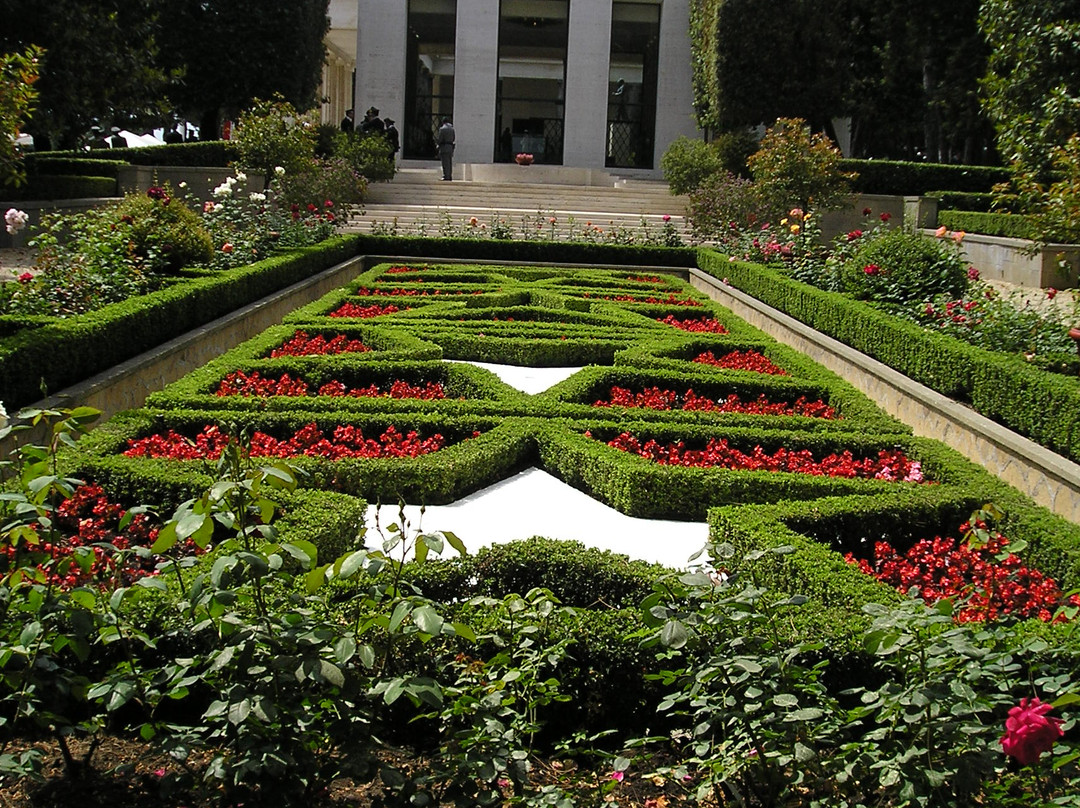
point(26, 277)
point(1051, 293)
point(886, 216)
point(973, 273)
point(866, 211)
point(854, 234)
point(872, 269)
point(227, 247)
point(1029, 732)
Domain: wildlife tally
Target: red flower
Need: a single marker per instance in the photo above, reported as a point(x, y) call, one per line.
point(1029, 732)
point(26, 277)
point(1051, 293)
point(866, 211)
point(973, 273)
point(854, 234)
point(328, 204)
point(885, 216)
point(872, 269)
point(227, 247)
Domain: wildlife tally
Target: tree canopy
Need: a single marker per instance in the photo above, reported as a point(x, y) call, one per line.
point(1031, 91)
point(232, 52)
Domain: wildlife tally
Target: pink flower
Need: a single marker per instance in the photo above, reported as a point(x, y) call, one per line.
point(159, 772)
point(872, 269)
point(619, 776)
point(1029, 732)
point(973, 273)
point(328, 204)
point(666, 218)
point(227, 247)
point(796, 213)
point(854, 234)
point(1051, 293)
point(941, 231)
point(885, 216)
point(26, 277)
point(958, 236)
point(207, 207)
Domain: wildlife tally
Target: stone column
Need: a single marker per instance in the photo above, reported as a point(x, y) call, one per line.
point(381, 28)
point(587, 56)
point(476, 67)
point(674, 91)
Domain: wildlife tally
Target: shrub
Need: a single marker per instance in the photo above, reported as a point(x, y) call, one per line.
point(332, 178)
point(1055, 209)
point(164, 234)
point(901, 267)
point(688, 163)
point(734, 150)
point(795, 168)
point(368, 154)
point(274, 134)
point(726, 203)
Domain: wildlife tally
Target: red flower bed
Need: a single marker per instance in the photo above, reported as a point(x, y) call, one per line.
point(656, 399)
point(398, 292)
point(239, 383)
point(356, 310)
point(741, 360)
point(346, 441)
point(888, 465)
point(709, 325)
point(402, 270)
point(656, 279)
point(300, 344)
point(89, 519)
point(987, 582)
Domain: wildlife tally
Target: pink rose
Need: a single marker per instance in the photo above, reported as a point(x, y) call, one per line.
point(973, 273)
point(1029, 732)
point(26, 277)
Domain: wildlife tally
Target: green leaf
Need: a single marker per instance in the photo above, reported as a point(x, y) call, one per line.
point(315, 578)
point(83, 597)
point(331, 673)
point(351, 564)
point(674, 634)
point(455, 542)
point(428, 620)
point(1065, 699)
point(464, 631)
point(785, 700)
point(401, 611)
point(166, 539)
point(239, 711)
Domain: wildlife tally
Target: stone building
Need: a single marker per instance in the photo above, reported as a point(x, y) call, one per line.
point(582, 83)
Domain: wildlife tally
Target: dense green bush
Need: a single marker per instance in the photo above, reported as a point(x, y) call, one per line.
point(368, 154)
point(1009, 225)
point(796, 168)
point(165, 234)
point(726, 202)
point(901, 267)
point(687, 163)
point(62, 186)
point(209, 153)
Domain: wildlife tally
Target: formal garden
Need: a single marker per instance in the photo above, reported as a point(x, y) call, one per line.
point(197, 608)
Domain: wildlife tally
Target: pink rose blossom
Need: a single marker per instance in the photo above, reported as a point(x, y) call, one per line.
point(1029, 732)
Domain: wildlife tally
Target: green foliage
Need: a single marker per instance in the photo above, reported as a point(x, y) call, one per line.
point(726, 203)
point(331, 178)
point(58, 186)
point(272, 134)
point(688, 163)
point(18, 72)
point(904, 178)
point(369, 154)
point(1030, 89)
point(165, 234)
point(1054, 207)
point(901, 267)
point(795, 168)
point(101, 66)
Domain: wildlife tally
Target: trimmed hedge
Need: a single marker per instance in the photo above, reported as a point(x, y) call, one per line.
point(69, 350)
point(215, 153)
point(1039, 405)
point(1008, 225)
point(59, 186)
point(896, 177)
point(42, 165)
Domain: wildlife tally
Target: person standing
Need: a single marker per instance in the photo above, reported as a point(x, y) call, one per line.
point(347, 122)
point(445, 143)
point(392, 137)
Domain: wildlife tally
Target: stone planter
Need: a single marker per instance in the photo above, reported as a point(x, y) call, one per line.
point(1020, 261)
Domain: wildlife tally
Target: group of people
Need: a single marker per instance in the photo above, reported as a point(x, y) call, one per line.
point(372, 123)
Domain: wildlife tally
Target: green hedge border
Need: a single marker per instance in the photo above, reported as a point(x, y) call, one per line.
point(1042, 406)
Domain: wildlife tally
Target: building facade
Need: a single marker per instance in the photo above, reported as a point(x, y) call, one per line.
point(583, 83)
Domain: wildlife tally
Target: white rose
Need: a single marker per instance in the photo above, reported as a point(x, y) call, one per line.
point(279, 170)
point(241, 176)
point(257, 197)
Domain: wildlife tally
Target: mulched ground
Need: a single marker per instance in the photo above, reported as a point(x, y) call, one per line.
point(129, 774)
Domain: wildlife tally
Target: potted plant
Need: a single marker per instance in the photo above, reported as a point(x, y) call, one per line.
point(524, 159)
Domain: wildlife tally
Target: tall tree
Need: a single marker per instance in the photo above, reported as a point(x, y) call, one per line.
point(99, 63)
point(1032, 86)
point(232, 52)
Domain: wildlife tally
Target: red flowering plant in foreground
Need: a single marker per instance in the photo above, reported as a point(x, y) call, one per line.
point(671, 300)
point(708, 325)
point(347, 441)
point(239, 383)
point(656, 399)
point(348, 309)
point(401, 270)
point(981, 573)
point(741, 360)
point(91, 537)
point(1030, 731)
point(888, 465)
point(301, 344)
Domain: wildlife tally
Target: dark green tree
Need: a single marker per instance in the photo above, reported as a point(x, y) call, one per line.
point(99, 65)
point(1031, 90)
point(232, 52)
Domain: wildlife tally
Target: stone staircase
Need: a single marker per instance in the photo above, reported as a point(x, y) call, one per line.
point(417, 201)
